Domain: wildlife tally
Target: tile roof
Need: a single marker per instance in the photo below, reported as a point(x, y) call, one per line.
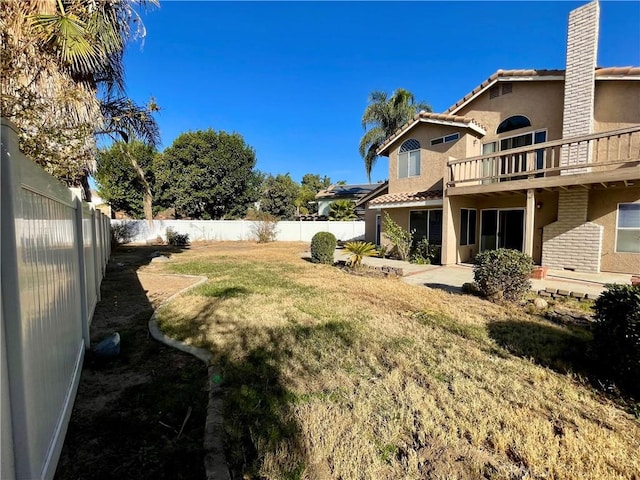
point(600, 71)
point(426, 116)
point(408, 197)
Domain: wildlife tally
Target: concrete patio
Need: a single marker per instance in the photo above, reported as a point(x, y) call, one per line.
point(452, 277)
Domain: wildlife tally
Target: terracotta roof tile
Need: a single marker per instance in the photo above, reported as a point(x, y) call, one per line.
point(621, 71)
point(407, 197)
point(428, 116)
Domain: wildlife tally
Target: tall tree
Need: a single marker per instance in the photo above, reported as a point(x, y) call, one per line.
point(62, 79)
point(207, 174)
point(310, 186)
point(383, 116)
point(119, 181)
point(279, 195)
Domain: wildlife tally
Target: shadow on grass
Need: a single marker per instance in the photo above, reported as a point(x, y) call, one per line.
point(139, 415)
point(445, 287)
point(258, 417)
point(563, 349)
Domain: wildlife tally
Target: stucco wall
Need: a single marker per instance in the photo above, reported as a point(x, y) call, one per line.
point(540, 101)
point(603, 206)
point(370, 223)
point(617, 105)
point(433, 159)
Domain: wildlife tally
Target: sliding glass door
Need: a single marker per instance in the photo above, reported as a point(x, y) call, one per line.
point(502, 228)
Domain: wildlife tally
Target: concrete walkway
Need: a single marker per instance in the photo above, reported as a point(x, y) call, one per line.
point(452, 277)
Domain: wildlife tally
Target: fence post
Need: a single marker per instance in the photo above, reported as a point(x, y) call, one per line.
point(9, 291)
point(97, 278)
point(84, 315)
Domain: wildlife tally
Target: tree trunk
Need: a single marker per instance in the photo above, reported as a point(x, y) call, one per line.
point(147, 195)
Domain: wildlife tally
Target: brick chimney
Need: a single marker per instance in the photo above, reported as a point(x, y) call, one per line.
point(572, 242)
point(579, 83)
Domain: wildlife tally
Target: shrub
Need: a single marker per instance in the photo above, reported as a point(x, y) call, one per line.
point(265, 228)
point(358, 250)
point(424, 254)
point(176, 239)
point(616, 335)
point(122, 233)
point(503, 274)
point(323, 245)
point(399, 237)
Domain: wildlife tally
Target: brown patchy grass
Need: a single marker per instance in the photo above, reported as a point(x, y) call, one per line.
point(329, 375)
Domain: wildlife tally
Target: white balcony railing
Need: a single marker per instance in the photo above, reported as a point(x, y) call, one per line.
point(588, 153)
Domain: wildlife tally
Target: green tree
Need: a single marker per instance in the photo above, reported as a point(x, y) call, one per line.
point(63, 80)
point(310, 186)
point(207, 174)
point(383, 116)
point(279, 196)
point(119, 182)
point(342, 210)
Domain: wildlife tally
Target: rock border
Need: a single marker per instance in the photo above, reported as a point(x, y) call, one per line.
point(215, 463)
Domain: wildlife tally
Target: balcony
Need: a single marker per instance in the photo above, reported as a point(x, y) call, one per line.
point(612, 156)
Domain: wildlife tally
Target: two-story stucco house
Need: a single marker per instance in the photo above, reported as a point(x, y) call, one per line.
point(542, 161)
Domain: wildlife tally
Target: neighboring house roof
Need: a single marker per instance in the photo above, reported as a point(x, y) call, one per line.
point(354, 192)
point(433, 118)
point(608, 73)
point(376, 192)
point(425, 197)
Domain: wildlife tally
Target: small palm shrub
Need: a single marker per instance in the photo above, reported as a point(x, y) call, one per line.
point(503, 274)
point(400, 238)
point(323, 245)
point(176, 239)
point(359, 250)
point(616, 335)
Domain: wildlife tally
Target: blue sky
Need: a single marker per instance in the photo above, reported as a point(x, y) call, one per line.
point(293, 77)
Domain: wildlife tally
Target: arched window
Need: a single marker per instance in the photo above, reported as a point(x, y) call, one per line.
point(409, 159)
point(513, 123)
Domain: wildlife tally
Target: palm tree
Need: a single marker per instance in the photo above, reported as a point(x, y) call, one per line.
point(382, 117)
point(63, 84)
point(342, 210)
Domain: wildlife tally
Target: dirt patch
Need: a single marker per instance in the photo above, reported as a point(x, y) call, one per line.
point(129, 411)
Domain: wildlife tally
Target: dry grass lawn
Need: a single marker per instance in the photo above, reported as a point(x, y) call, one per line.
point(329, 375)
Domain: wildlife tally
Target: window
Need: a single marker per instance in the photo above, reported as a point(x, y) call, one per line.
point(409, 159)
point(506, 164)
point(446, 139)
point(513, 123)
point(426, 224)
point(507, 88)
point(494, 91)
point(628, 228)
point(468, 226)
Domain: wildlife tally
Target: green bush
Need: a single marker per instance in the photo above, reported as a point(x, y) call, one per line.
point(400, 238)
point(423, 253)
point(616, 335)
point(503, 274)
point(323, 245)
point(176, 239)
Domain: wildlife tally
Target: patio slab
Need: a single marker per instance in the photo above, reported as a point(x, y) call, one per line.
point(452, 277)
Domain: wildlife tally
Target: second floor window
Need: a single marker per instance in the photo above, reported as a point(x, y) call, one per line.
point(409, 159)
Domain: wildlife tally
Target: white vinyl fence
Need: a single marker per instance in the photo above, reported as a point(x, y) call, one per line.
point(54, 252)
point(210, 230)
